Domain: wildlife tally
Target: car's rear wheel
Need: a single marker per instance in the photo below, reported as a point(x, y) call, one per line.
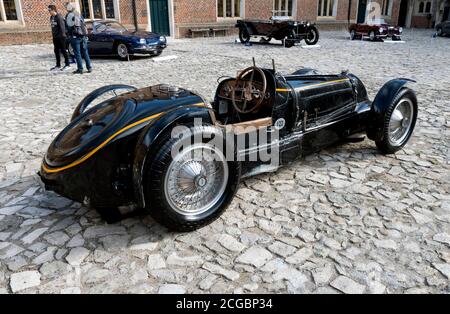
point(122, 51)
point(312, 37)
point(372, 36)
point(352, 34)
point(439, 31)
point(244, 36)
point(188, 186)
point(399, 123)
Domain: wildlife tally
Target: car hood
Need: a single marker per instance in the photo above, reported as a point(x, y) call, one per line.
point(141, 34)
point(388, 25)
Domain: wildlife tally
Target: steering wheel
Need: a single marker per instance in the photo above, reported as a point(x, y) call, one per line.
point(248, 95)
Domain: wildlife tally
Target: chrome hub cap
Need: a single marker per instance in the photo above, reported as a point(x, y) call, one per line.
point(122, 50)
point(400, 123)
point(196, 179)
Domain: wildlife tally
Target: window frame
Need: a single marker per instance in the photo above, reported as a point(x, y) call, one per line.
point(224, 17)
point(293, 7)
point(386, 8)
point(334, 9)
point(116, 5)
point(424, 12)
point(4, 22)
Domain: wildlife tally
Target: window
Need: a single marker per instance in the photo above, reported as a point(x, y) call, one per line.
point(327, 8)
point(282, 7)
point(386, 8)
point(98, 9)
point(9, 11)
point(424, 7)
point(229, 8)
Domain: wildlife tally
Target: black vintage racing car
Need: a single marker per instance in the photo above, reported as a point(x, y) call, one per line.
point(278, 27)
point(129, 149)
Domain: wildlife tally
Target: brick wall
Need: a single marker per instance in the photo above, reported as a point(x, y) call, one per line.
point(126, 13)
point(198, 11)
point(258, 9)
point(36, 24)
point(420, 21)
point(307, 10)
point(187, 14)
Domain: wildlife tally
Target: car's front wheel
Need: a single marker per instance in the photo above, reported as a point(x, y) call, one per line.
point(244, 36)
point(352, 34)
point(399, 122)
point(189, 183)
point(312, 37)
point(122, 51)
point(439, 31)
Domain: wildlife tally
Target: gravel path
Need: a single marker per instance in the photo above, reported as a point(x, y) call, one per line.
point(345, 220)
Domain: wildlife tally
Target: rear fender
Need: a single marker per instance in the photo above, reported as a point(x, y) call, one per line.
point(380, 106)
point(151, 133)
point(98, 93)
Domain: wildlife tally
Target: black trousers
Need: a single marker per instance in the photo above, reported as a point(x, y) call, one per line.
point(60, 47)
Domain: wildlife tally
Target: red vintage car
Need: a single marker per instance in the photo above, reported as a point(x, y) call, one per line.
point(375, 31)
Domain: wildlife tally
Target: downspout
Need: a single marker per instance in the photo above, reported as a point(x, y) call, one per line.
point(349, 11)
point(135, 18)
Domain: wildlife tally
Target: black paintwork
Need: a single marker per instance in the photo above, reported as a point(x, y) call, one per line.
point(318, 110)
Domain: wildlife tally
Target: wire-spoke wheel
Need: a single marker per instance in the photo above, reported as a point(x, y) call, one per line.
point(399, 122)
point(312, 37)
point(122, 51)
point(190, 187)
point(196, 179)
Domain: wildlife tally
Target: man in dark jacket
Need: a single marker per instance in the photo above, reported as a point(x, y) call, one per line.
point(59, 38)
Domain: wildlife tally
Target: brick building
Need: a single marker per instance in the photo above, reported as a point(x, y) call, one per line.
point(423, 13)
point(23, 21)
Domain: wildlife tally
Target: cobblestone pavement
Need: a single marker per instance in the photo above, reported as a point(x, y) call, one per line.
point(345, 220)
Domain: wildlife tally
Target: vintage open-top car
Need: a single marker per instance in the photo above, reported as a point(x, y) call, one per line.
point(167, 150)
point(377, 30)
point(280, 28)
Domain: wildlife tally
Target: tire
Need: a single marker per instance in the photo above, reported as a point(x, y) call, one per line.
point(288, 43)
point(440, 32)
point(372, 36)
point(352, 34)
point(161, 177)
point(122, 51)
point(406, 98)
point(244, 36)
point(312, 37)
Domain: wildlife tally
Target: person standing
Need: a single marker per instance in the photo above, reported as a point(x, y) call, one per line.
point(77, 31)
point(59, 38)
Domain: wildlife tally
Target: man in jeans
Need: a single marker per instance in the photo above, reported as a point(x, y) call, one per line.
point(59, 38)
point(78, 38)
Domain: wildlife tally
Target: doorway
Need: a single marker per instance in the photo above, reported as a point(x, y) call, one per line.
point(159, 14)
point(403, 12)
point(362, 7)
point(446, 15)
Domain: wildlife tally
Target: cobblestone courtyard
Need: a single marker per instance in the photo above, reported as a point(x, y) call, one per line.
point(345, 220)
